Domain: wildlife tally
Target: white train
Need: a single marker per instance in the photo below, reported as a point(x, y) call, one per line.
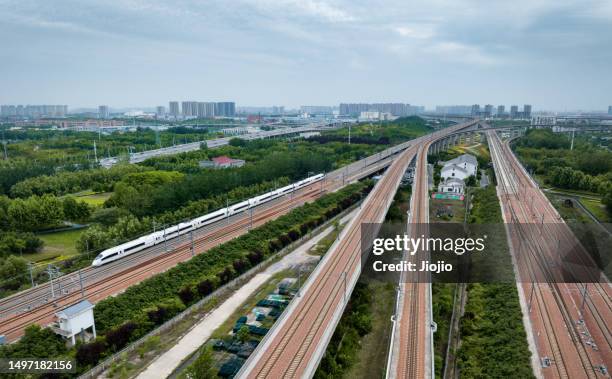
point(158, 237)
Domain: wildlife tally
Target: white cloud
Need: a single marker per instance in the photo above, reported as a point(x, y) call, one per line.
point(321, 10)
point(417, 31)
point(461, 53)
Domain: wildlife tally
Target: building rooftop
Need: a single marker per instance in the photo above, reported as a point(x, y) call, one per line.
point(223, 160)
point(454, 167)
point(462, 159)
point(75, 309)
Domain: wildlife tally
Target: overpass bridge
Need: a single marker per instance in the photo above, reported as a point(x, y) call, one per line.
point(217, 142)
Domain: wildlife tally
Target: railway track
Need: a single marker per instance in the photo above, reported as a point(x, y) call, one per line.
point(555, 302)
point(155, 265)
point(18, 311)
point(344, 258)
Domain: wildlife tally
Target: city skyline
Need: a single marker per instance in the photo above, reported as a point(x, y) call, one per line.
point(295, 53)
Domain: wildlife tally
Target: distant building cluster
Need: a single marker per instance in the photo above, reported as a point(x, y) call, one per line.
point(33, 111)
point(76, 125)
point(198, 109)
point(538, 121)
point(264, 111)
point(487, 111)
point(395, 109)
point(317, 109)
point(374, 116)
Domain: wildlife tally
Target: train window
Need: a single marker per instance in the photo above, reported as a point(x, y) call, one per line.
point(184, 227)
point(134, 247)
point(110, 256)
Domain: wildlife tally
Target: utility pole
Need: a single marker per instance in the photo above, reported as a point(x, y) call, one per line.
point(95, 152)
point(349, 136)
point(531, 295)
point(81, 283)
point(572, 145)
point(191, 237)
point(31, 276)
point(584, 295)
point(299, 288)
point(50, 273)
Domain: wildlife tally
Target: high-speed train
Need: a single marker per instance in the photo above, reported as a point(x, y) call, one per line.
point(160, 236)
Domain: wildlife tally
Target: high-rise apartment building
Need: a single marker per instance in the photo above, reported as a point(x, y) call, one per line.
point(526, 111)
point(317, 109)
point(160, 111)
point(475, 110)
point(514, 111)
point(501, 110)
point(189, 108)
point(488, 110)
point(610, 109)
point(395, 109)
point(225, 109)
point(173, 108)
point(103, 112)
point(33, 111)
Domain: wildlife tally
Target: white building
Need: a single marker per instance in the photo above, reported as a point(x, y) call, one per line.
point(461, 167)
point(543, 121)
point(75, 320)
point(452, 185)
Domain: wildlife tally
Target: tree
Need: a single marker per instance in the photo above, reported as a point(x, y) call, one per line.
point(75, 210)
point(203, 367)
point(470, 181)
point(243, 334)
point(36, 342)
point(13, 271)
point(607, 200)
point(90, 353)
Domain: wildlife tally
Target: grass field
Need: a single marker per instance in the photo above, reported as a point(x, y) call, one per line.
point(372, 357)
point(96, 199)
point(473, 149)
point(596, 208)
point(58, 246)
point(456, 207)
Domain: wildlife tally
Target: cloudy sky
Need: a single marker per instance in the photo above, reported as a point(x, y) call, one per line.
point(554, 54)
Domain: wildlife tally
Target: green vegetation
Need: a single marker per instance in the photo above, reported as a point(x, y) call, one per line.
point(203, 367)
point(356, 322)
point(597, 209)
point(66, 146)
point(493, 339)
point(94, 199)
point(58, 245)
point(371, 357)
point(99, 179)
point(585, 168)
point(442, 295)
point(382, 133)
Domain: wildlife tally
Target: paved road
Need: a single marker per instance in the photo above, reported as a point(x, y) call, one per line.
point(211, 144)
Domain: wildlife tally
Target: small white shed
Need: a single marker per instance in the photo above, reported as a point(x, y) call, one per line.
point(75, 320)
